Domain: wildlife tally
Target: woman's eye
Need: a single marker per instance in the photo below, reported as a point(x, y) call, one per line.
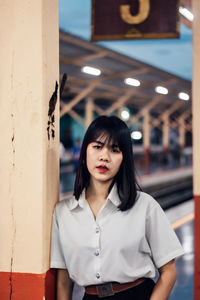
point(97, 147)
point(115, 150)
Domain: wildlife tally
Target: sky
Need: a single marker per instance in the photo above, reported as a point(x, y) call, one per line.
point(171, 55)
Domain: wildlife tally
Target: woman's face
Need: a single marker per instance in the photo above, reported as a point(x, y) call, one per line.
point(103, 159)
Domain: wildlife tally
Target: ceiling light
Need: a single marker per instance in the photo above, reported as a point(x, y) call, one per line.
point(91, 71)
point(136, 135)
point(125, 115)
point(183, 96)
point(186, 13)
point(161, 90)
point(132, 81)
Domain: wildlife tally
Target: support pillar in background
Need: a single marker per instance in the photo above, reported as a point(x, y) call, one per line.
point(119, 112)
point(181, 130)
point(29, 160)
point(181, 133)
point(196, 143)
point(165, 136)
point(146, 139)
point(89, 112)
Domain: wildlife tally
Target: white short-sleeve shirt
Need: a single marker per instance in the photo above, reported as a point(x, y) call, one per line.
point(117, 246)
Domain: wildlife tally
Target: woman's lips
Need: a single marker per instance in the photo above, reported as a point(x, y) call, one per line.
point(102, 169)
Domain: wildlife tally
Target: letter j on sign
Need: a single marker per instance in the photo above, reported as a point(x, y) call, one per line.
point(134, 19)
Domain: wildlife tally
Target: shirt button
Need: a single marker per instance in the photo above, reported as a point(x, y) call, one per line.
point(96, 253)
point(97, 275)
point(97, 230)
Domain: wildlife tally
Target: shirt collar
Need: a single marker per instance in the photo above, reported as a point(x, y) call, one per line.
point(113, 196)
point(72, 203)
point(82, 201)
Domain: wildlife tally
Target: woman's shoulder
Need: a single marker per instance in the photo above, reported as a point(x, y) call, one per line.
point(145, 199)
point(68, 203)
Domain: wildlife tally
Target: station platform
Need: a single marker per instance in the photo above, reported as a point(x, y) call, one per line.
point(182, 219)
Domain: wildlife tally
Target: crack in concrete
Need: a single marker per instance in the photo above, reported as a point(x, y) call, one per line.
point(12, 210)
point(10, 279)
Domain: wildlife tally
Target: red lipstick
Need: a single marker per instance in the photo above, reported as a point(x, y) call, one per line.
point(102, 169)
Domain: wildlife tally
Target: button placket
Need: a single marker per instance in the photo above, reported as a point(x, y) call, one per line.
point(97, 261)
point(98, 276)
point(96, 253)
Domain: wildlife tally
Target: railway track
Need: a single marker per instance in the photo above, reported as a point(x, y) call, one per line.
point(171, 193)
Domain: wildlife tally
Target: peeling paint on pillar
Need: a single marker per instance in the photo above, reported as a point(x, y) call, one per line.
point(52, 106)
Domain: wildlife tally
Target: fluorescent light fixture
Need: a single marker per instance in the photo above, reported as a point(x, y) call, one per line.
point(125, 115)
point(136, 135)
point(161, 90)
point(91, 71)
point(132, 81)
point(183, 96)
point(186, 13)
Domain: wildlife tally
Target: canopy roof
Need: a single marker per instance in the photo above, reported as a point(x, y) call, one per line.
point(108, 90)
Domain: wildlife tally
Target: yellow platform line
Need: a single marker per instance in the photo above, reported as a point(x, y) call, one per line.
point(183, 220)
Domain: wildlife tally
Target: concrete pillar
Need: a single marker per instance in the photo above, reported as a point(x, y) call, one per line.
point(181, 130)
point(165, 136)
point(89, 112)
point(196, 144)
point(29, 161)
point(146, 139)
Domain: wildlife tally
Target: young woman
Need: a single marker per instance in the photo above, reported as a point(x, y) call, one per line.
point(109, 237)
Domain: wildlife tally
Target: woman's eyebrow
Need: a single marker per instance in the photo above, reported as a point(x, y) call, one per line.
point(101, 143)
point(115, 146)
point(98, 142)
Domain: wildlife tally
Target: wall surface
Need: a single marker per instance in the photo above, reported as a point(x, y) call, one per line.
point(29, 161)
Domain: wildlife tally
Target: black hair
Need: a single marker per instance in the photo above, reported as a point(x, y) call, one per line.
point(117, 132)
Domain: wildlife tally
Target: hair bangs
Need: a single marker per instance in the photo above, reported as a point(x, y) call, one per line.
point(110, 137)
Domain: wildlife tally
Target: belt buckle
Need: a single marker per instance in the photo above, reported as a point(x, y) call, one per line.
point(105, 290)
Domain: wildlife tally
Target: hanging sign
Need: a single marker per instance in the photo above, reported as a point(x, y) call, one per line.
point(134, 19)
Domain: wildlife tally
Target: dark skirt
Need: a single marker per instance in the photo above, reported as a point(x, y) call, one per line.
point(142, 291)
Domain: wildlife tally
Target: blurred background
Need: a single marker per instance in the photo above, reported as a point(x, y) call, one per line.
point(153, 64)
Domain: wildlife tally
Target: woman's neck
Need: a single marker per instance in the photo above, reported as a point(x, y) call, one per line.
point(98, 190)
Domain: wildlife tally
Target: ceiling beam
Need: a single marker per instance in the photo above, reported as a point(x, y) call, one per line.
point(119, 102)
point(67, 107)
point(79, 59)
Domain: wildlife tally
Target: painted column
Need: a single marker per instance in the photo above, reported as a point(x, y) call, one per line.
point(89, 112)
point(146, 139)
point(182, 133)
point(181, 129)
point(119, 112)
point(196, 144)
point(165, 138)
point(29, 159)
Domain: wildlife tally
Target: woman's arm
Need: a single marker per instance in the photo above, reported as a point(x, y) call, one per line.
point(165, 282)
point(64, 285)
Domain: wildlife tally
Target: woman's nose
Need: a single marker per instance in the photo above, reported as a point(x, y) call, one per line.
point(104, 155)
